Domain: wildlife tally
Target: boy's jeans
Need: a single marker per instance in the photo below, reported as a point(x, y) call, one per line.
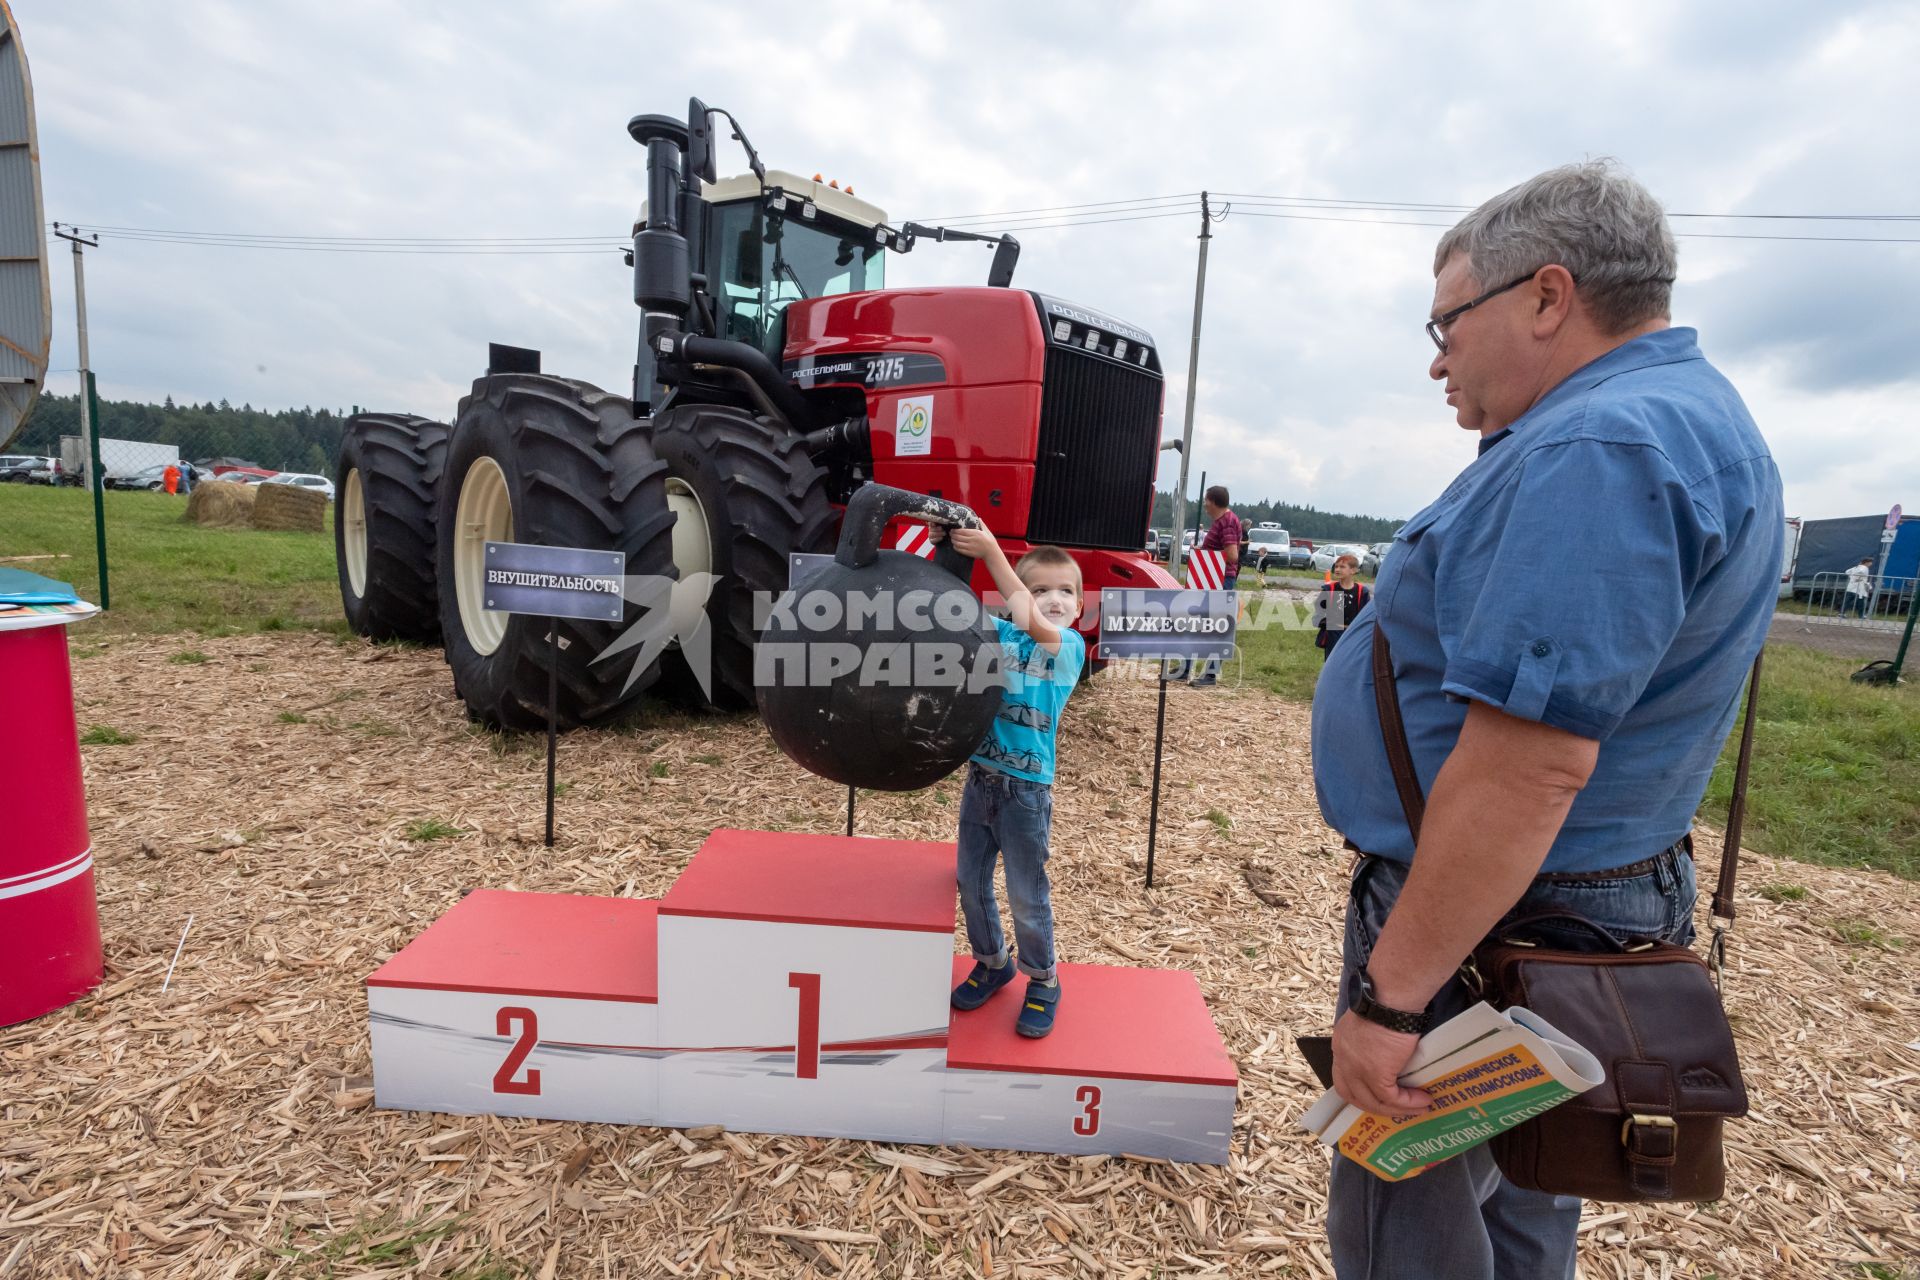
point(1461, 1219)
point(1005, 816)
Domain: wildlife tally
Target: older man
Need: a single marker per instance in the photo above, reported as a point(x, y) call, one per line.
point(1570, 623)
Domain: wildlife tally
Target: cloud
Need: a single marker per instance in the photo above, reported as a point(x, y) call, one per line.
point(444, 118)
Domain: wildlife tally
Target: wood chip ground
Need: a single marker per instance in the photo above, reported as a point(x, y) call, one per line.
point(224, 1128)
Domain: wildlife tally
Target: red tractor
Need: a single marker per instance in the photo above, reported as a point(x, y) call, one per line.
point(775, 375)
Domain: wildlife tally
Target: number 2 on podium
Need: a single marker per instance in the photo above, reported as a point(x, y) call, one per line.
point(806, 1047)
point(503, 1081)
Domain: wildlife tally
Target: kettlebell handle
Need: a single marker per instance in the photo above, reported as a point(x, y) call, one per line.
point(874, 505)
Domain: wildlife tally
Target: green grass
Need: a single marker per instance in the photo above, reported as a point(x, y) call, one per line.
point(659, 769)
point(424, 829)
point(1836, 766)
point(188, 658)
point(1279, 659)
point(167, 575)
point(1860, 933)
point(1782, 892)
point(292, 717)
point(380, 1243)
point(104, 735)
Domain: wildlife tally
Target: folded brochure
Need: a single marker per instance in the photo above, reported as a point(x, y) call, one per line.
point(1486, 1070)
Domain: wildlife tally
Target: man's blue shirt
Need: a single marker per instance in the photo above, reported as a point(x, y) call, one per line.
point(1020, 740)
point(1610, 569)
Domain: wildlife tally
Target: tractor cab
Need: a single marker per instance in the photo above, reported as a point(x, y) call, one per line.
point(774, 242)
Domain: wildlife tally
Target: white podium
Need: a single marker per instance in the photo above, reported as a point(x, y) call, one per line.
point(788, 984)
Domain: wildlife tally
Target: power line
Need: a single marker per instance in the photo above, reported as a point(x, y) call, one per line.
point(243, 235)
point(1188, 196)
point(1436, 207)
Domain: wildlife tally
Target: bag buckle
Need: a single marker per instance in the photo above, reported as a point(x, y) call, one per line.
point(1654, 1122)
point(1717, 948)
point(1470, 974)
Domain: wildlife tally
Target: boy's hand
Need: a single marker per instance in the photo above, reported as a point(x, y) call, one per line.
point(970, 542)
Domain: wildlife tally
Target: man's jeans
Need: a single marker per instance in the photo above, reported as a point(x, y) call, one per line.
point(1005, 816)
point(1460, 1219)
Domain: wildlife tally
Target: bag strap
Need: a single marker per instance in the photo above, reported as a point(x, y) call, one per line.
point(1413, 803)
point(1386, 697)
point(1720, 914)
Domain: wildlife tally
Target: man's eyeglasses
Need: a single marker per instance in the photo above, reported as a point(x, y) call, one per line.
point(1437, 327)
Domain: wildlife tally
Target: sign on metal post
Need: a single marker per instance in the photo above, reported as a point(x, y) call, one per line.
point(802, 565)
point(1893, 517)
point(1164, 625)
point(1167, 623)
point(554, 582)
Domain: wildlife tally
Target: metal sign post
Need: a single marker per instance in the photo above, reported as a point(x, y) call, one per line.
point(554, 583)
point(802, 565)
point(1165, 626)
point(89, 403)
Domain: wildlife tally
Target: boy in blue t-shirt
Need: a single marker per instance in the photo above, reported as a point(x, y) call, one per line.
point(1006, 810)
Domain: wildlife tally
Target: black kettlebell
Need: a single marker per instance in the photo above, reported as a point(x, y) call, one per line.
point(882, 669)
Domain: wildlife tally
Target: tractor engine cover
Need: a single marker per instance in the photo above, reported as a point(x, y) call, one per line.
point(881, 670)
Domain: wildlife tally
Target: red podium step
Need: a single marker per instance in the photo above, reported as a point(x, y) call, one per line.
point(523, 1004)
point(840, 881)
point(1134, 1065)
point(534, 944)
point(803, 985)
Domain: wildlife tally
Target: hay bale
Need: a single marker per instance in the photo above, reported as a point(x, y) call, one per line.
point(218, 504)
point(286, 506)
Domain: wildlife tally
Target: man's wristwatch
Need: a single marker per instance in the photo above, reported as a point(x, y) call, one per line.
point(1412, 1024)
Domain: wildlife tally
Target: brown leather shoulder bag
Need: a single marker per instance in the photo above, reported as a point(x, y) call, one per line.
point(1649, 1010)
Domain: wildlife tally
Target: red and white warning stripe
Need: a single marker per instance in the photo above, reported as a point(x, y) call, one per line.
point(915, 540)
point(1207, 570)
point(15, 886)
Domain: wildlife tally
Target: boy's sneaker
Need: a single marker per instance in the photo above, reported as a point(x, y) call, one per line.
point(980, 984)
point(1037, 1009)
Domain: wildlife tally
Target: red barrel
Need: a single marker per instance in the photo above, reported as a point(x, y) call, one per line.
point(49, 923)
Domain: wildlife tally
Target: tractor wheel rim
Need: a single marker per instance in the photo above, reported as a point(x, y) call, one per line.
point(692, 553)
point(484, 514)
point(353, 534)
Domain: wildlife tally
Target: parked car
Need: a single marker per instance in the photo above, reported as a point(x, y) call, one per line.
point(1300, 555)
point(1327, 552)
point(25, 468)
point(1267, 548)
point(153, 477)
point(300, 479)
point(1376, 556)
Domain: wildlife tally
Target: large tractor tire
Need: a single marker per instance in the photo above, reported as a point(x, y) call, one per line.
point(386, 489)
point(558, 463)
point(744, 495)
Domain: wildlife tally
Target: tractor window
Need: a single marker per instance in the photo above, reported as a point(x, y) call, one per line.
point(761, 264)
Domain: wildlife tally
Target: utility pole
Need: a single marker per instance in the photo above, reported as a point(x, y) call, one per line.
point(1175, 553)
point(89, 400)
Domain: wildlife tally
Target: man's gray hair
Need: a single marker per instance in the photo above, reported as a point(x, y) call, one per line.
point(1593, 219)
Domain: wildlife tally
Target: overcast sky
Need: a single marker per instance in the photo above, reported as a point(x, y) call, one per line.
point(476, 118)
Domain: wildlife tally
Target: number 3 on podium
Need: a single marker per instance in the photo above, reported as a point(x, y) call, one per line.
point(806, 1047)
point(1087, 1123)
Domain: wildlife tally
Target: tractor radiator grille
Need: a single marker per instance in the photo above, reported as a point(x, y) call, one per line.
point(1099, 445)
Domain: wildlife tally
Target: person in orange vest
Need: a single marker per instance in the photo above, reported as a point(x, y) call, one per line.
point(171, 478)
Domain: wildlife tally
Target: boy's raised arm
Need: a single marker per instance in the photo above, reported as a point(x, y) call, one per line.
point(982, 545)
